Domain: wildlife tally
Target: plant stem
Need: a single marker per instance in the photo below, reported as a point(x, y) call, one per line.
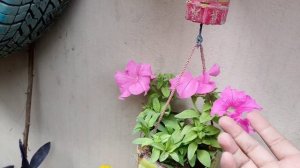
point(29, 97)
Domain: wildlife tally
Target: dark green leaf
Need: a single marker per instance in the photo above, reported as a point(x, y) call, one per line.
point(216, 119)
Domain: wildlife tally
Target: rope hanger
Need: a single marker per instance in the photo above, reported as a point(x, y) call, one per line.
point(199, 41)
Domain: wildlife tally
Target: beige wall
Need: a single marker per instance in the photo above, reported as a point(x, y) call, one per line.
point(75, 98)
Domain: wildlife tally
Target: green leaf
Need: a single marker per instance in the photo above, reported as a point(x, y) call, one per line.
point(192, 149)
point(171, 123)
point(186, 129)
point(163, 79)
point(212, 142)
point(151, 97)
point(164, 138)
point(158, 146)
point(177, 136)
point(201, 135)
point(189, 137)
point(142, 121)
point(211, 130)
point(153, 120)
point(143, 163)
point(160, 83)
point(155, 155)
point(143, 141)
point(188, 114)
point(164, 156)
point(162, 128)
point(156, 105)
point(175, 156)
point(174, 147)
point(147, 118)
point(205, 117)
point(204, 157)
point(206, 107)
point(165, 91)
point(216, 119)
point(137, 128)
point(193, 161)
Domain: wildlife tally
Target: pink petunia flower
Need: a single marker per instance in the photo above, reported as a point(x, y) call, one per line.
point(205, 84)
point(134, 80)
point(214, 70)
point(235, 104)
point(187, 85)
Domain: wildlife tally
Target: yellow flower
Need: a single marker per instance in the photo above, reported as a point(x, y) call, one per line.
point(105, 166)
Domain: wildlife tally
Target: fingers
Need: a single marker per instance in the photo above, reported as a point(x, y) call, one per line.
point(229, 145)
point(277, 143)
point(227, 161)
point(259, 155)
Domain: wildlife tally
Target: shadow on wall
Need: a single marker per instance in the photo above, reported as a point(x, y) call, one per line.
point(13, 70)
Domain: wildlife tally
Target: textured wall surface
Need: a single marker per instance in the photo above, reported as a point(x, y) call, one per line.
point(75, 98)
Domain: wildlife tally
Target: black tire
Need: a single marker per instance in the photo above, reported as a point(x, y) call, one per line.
point(23, 21)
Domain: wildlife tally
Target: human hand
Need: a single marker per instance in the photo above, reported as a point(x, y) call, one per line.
point(242, 151)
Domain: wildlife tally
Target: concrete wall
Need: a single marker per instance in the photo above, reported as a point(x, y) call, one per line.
point(75, 98)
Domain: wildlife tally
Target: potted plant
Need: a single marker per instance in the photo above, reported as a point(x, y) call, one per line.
point(170, 138)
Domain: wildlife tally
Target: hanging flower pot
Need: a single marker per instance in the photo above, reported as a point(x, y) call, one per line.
point(23, 21)
point(209, 12)
point(144, 161)
point(173, 138)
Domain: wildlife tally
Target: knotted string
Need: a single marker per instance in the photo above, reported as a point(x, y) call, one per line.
point(198, 45)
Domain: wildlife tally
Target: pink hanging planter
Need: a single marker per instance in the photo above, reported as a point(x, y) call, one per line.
point(208, 12)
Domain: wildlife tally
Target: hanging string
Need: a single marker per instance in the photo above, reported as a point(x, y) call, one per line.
point(198, 45)
point(174, 90)
point(202, 59)
point(199, 37)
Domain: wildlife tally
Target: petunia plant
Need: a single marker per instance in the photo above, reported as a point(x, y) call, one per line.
point(186, 138)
